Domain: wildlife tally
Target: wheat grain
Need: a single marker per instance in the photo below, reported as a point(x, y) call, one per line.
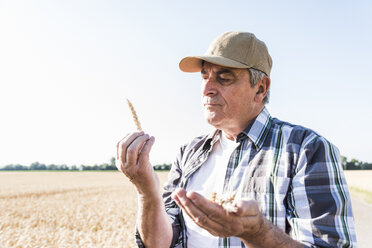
point(135, 117)
point(226, 201)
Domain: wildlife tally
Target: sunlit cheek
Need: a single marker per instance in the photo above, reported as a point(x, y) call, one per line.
point(202, 88)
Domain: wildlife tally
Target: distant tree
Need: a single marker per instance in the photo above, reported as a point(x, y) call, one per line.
point(20, 167)
point(12, 167)
point(113, 161)
point(353, 165)
point(37, 166)
point(63, 167)
point(366, 166)
point(112, 165)
point(356, 162)
point(52, 167)
point(109, 167)
point(8, 167)
point(343, 162)
point(162, 167)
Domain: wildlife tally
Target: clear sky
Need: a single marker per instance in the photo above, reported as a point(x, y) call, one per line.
point(66, 68)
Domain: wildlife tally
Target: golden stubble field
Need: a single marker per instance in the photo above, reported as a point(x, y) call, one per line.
point(79, 209)
point(67, 209)
point(361, 179)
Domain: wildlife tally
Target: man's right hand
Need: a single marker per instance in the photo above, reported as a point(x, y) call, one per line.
point(133, 160)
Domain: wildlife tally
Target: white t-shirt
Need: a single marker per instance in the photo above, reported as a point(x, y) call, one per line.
point(209, 178)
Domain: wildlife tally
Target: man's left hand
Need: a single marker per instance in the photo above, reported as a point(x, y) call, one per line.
point(247, 221)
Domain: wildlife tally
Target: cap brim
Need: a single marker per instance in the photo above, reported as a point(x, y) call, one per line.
point(194, 63)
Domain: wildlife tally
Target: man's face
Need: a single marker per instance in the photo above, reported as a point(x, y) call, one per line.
point(227, 96)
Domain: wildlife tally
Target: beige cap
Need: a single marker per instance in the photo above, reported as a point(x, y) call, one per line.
point(232, 49)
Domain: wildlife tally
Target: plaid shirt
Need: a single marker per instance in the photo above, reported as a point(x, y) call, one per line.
point(294, 174)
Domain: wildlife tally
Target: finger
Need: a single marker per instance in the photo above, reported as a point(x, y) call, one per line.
point(125, 143)
point(179, 195)
point(206, 206)
point(178, 201)
point(232, 223)
point(118, 144)
point(134, 148)
point(199, 217)
point(118, 152)
point(145, 152)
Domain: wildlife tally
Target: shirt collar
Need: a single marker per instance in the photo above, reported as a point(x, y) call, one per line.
point(258, 129)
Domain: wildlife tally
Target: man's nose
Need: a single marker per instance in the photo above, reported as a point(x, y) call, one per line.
point(209, 87)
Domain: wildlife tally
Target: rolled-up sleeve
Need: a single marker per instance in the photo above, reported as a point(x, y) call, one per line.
point(319, 205)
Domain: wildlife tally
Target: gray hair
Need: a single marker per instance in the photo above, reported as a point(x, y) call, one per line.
point(255, 77)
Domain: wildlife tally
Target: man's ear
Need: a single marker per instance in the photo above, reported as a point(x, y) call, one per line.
point(263, 87)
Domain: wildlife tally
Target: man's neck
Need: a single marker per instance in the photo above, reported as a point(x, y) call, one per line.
point(233, 131)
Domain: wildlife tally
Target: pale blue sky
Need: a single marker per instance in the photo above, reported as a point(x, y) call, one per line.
point(66, 68)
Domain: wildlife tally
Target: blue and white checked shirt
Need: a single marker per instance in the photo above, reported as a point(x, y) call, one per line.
point(293, 173)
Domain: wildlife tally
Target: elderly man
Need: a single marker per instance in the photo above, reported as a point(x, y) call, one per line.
point(288, 182)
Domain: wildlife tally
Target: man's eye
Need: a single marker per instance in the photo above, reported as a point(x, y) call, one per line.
point(204, 74)
point(224, 80)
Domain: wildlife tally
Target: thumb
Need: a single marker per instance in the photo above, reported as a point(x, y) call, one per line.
point(145, 152)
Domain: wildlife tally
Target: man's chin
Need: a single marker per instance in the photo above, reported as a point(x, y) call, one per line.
point(213, 120)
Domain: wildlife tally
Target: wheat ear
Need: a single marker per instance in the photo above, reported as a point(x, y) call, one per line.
point(135, 118)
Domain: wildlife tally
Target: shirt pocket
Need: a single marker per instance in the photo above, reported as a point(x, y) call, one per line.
point(270, 194)
point(266, 185)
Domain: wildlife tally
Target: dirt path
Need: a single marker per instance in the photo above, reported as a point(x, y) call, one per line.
point(363, 222)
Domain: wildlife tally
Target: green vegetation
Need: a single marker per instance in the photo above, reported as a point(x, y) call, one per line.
point(355, 164)
point(361, 193)
point(162, 167)
point(347, 165)
point(36, 166)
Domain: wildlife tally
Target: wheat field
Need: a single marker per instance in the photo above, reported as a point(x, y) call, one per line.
point(78, 209)
point(67, 209)
point(361, 179)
